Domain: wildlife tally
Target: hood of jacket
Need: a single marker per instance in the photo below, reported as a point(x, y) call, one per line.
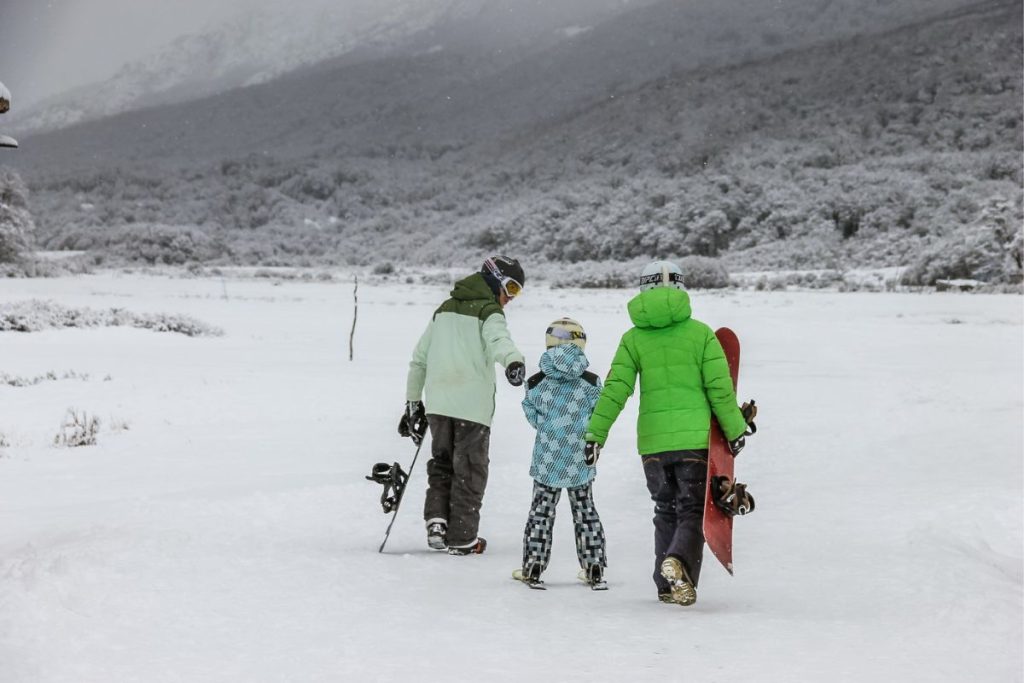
point(472, 288)
point(565, 361)
point(659, 307)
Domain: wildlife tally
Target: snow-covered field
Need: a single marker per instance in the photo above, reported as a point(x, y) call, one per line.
point(228, 533)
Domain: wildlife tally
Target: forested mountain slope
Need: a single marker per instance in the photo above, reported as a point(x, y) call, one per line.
point(901, 147)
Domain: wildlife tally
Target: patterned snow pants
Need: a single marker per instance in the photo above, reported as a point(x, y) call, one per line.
point(540, 525)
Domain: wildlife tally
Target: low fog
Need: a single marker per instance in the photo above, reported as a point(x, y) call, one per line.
point(50, 47)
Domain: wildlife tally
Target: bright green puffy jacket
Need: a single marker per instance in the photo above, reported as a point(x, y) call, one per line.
point(683, 378)
point(454, 359)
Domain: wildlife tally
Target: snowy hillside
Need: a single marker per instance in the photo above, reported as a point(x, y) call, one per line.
point(221, 529)
point(896, 149)
point(265, 43)
point(551, 69)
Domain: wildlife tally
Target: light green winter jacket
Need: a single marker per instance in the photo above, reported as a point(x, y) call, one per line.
point(683, 378)
point(454, 359)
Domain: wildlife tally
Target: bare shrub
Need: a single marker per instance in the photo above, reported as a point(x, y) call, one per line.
point(78, 429)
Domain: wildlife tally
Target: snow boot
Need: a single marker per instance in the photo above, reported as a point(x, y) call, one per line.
point(477, 547)
point(593, 576)
point(530, 575)
point(437, 535)
point(683, 591)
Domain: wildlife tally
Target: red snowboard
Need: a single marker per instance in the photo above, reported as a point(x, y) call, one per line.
point(717, 524)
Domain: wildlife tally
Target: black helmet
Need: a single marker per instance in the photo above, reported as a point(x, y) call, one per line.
point(506, 272)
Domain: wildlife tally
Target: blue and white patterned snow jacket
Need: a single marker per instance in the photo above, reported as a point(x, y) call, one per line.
point(559, 401)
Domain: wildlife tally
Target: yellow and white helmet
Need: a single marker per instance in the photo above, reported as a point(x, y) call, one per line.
point(565, 331)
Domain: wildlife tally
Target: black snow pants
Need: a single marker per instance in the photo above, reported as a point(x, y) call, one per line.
point(457, 476)
point(676, 480)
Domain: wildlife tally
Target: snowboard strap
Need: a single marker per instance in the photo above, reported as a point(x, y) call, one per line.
point(393, 478)
point(731, 497)
point(749, 410)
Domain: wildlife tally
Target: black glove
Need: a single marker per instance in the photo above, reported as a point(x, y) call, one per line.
point(737, 444)
point(515, 373)
point(591, 452)
point(749, 410)
point(414, 422)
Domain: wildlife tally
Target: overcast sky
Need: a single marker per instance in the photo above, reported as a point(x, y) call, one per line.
point(47, 46)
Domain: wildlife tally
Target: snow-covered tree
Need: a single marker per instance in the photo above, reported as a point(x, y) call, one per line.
point(16, 225)
point(5, 105)
point(988, 249)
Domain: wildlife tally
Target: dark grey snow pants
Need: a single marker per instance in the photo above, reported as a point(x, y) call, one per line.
point(457, 476)
point(676, 480)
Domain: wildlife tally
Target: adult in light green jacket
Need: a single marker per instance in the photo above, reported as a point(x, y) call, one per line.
point(684, 379)
point(454, 364)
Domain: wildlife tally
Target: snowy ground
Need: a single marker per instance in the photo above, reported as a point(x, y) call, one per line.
point(229, 535)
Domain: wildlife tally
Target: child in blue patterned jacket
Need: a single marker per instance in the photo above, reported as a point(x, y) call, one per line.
point(559, 401)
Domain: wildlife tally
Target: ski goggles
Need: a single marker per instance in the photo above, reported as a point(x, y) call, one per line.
point(566, 335)
point(509, 285)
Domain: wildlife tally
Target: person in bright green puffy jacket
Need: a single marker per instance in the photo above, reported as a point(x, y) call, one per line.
point(684, 380)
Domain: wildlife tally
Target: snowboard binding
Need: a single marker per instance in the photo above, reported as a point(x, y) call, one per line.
point(731, 497)
point(393, 478)
point(749, 410)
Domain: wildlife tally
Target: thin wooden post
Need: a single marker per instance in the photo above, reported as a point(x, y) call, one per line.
point(355, 314)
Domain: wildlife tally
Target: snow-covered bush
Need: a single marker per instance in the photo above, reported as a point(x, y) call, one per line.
point(592, 275)
point(701, 272)
point(31, 265)
point(34, 315)
point(165, 322)
point(771, 284)
point(823, 279)
point(51, 376)
point(167, 244)
point(958, 256)
point(78, 429)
